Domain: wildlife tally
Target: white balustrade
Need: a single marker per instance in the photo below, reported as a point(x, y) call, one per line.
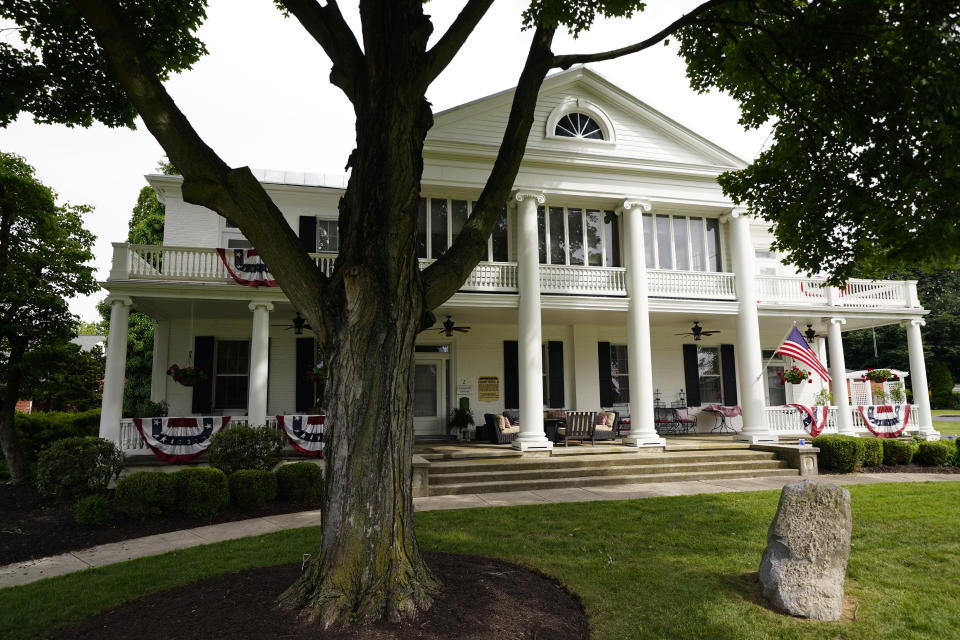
point(132, 442)
point(785, 420)
point(186, 264)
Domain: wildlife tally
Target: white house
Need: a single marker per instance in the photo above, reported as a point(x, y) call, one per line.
point(616, 241)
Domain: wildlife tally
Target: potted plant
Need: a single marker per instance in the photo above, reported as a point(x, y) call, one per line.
point(879, 375)
point(897, 394)
point(461, 418)
point(823, 398)
point(188, 376)
point(796, 375)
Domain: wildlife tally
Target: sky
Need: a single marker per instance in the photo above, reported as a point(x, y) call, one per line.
point(262, 99)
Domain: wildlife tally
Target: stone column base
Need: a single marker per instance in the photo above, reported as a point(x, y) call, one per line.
point(532, 445)
point(928, 435)
point(756, 437)
point(644, 441)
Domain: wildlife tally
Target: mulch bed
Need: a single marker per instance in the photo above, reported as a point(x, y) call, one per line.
point(483, 598)
point(32, 526)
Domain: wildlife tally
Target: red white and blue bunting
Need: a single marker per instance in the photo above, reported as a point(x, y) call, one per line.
point(884, 420)
point(305, 433)
point(246, 267)
point(179, 439)
point(814, 418)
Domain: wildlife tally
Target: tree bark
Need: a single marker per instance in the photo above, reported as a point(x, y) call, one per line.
point(16, 460)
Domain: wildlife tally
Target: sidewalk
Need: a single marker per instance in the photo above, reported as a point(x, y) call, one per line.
point(33, 570)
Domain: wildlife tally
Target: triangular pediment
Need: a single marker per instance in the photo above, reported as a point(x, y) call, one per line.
point(634, 130)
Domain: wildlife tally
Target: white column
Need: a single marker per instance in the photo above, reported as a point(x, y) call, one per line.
point(529, 338)
point(116, 369)
point(749, 355)
point(643, 432)
point(161, 346)
point(918, 380)
point(259, 368)
point(838, 378)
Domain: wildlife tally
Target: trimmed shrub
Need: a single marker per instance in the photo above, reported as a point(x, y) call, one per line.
point(872, 452)
point(839, 453)
point(91, 510)
point(934, 454)
point(253, 488)
point(897, 451)
point(78, 466)
point(245, 448)
point(300, 482)
point(144, 493)
point(200, 492)
point(37, 431)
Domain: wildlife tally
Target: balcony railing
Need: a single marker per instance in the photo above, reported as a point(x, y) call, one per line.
point(188, 264)
point(784, 420)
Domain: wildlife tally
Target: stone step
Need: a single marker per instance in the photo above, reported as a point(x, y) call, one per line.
point(564, 462)
point(592, 481)
point(610, 472)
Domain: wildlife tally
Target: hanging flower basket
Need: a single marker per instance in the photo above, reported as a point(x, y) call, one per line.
point(317, 374)
point(188, 376)
point(795, 375)
point(879, 375)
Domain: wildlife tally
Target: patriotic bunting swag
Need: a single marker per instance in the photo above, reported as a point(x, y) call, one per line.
point(305, 433)
point(884, 420)
point(814, 418)
point(246, 267)
point(179, 439)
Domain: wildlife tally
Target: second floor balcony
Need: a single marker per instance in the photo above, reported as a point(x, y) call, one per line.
point(143, 263)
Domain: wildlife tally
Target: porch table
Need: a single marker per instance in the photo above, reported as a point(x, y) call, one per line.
point(721, 413)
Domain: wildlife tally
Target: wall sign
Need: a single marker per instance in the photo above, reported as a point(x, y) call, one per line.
point(488, 388)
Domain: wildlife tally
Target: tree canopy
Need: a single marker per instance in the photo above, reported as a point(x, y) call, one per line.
point(43, 251)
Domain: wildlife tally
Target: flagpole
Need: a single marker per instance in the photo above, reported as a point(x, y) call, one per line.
point(779, 344)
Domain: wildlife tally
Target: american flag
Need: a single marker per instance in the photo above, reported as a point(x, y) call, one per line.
point(797, 348)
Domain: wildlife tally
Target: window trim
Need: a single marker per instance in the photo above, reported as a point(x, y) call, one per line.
point(216, 374)
point(650, 221)
point(320, 221)
point(718, 375)
point(605, 252)
point(428, 228)
point(581, 105)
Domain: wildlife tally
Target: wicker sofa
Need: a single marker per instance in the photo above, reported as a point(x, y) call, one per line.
point(499, 429)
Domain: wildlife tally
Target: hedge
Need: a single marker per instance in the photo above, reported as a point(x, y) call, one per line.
point(245, 448)
point(75, 467)
point(300, 482)
point(91, 510)
point(200, 492)
point(37, 431)
point(935, 454)
point(253, 488)
point(839, 453)
point(145, 493)
point(872, 453)
point(897, 451)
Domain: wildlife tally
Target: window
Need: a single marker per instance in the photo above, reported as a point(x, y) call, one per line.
point(232, 374)
point(620, 373)
point(681, 243)
point(708, 369)
point(328, 236)
point(440, 220)
point(577, 236)
point(578, 125)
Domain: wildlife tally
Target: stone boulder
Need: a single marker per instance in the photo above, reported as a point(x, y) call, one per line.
point(808, 545)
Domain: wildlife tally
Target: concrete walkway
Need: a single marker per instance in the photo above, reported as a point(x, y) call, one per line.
point(33, 570)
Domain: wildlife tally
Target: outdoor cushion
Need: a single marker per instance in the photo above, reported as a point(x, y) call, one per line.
point(511, 429)
point(503, 423)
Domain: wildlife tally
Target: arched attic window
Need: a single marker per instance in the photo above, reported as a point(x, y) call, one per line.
point(579, 119)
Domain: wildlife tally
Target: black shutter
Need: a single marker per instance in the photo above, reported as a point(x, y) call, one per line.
point(606, 380)
point(304, 362)
point(728, 369)
point(511, 375)
point(203, 359)
point(691, 374)
point(555, 374)
point(308, 233)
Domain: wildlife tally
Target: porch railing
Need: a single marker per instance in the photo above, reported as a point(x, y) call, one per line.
point(186, 264)
point(784, 420)
point(132, 443)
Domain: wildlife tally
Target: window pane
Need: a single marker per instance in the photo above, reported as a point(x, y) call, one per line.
point(424, 390)
point(459, 211)
point(500, 250)
point(619, 373)
point(680, 243)
point(713, 245)
point(233, 356)
point(558, 253)
point(776, 392)
point(438, 227)
point(575, 235)
point(708, 365)
point(710, 390)
point(648, 241)
point(621, 389)
point(231, 392)
point(664, 259)
point(542, 234)
point(594, 238)
point(696, 242)
point(612, 240)
point(422, 229)
point(328, 236)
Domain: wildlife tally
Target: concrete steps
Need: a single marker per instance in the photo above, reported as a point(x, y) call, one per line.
point(488, 475)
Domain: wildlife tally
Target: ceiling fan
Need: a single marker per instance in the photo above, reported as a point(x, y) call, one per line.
point(697, 331)
point(811, 334)
point(448, 328)
point(298, 324)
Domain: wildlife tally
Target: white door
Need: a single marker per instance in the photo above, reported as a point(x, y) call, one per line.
point(429, 396)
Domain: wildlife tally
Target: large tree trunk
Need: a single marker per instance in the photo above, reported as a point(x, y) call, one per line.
point(16, 461)
point(369, 566)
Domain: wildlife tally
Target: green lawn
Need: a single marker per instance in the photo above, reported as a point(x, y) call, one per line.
point(944, 426)
point(653, 568)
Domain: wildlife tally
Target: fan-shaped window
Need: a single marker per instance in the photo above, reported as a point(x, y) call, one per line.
point(578, 125)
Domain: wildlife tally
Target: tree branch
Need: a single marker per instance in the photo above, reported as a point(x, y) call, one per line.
point(333, 34)
point(207, 180)
point(442, 278)
point(567, 61)
point(447, 47)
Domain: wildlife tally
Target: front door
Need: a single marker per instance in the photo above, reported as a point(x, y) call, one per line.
point(430, 396)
